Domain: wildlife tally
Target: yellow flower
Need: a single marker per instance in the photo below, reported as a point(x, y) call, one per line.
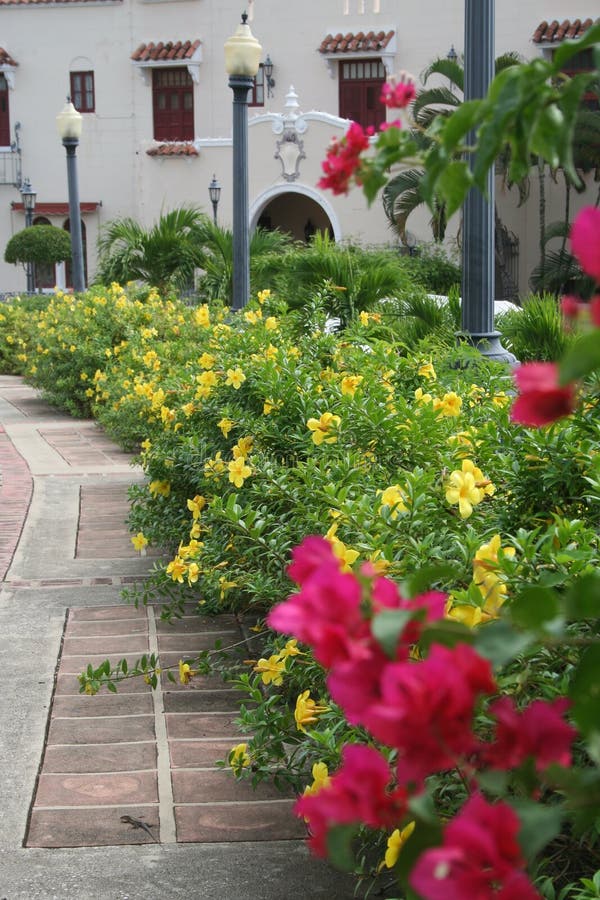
point(188, 409)
point(263, 295)
point(450, 404)
point(238, 471)
point(160, 487)
point(500, 399)
point(396, 842)
point(350, 384)
point(177, 568)
point(271, 670)
point(321, 779)
point(364, 317)
point(202, 316)
point(422, 398)
point(225, 425)
point(462, 489)
point(481, 481)
point(252, 317)
point(193, 573)
point(290, 649)
point(235, 378)
point(491, 586)
point(196, 506)
point(167, 415)
point(224, 586)
point(393, 497)
point(140, 542)
point(427, 371)
point(206, 361)
point(346, 556)
point(207, 379)
point(243, 446)
point(307, 711)
point(186, 673)
point(271, 323)
point(146, 445)
point(238, 757)
point(471, 616)
point(323, 427)
point(215, 467)
point(269, 406)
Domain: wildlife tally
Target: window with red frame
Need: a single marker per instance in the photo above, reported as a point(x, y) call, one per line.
point(584, 62)
point(173, 104)
point(361, 82)
point(257, 94)
point(83, 95)
point(4, 113)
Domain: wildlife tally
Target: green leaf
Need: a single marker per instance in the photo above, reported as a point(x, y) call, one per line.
point(567, 49)
point(534, 606)
point(494, 783)
point(387, 626)
point(112, 687)
point(454, 183)
point(585, 691)
point(546, 137)
point(539, 824)
point(582, 359)
point(460, 122)
point(447, 632)
point(339, 846)
point(423, 578)
point(500, 643)
point(583, 598)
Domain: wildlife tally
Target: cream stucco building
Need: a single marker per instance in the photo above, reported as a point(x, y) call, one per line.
point(149, 79)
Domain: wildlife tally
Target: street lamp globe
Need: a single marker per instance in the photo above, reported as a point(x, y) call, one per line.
point(69, 123)
point(242, 51)
point(28, 196)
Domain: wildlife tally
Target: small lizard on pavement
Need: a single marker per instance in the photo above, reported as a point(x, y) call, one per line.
point(139, 823)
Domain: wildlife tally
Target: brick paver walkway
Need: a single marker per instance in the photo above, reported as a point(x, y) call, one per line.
point(147, 755)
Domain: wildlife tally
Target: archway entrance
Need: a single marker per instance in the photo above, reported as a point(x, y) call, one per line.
point(295, 213)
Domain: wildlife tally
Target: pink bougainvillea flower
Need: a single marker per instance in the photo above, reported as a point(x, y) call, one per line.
point(343, 159)
point(359, 792)
point(572, 307)
point(480, 857)
point(426, 709)
point(309, 556)
point(595, 310)
point(326, 615)
point(585, 240)
point(541, 399)
point(398, 94)
point(538, 731)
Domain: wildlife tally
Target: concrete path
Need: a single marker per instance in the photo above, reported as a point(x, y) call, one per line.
point(73, 765)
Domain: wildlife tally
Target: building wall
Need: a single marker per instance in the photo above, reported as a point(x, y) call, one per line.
point(47, 40)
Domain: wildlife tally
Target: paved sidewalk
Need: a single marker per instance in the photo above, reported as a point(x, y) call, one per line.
point(73, 765)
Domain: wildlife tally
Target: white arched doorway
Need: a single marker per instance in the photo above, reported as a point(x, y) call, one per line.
point(296, 209)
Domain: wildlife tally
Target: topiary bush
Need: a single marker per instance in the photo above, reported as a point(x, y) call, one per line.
point(38, 244)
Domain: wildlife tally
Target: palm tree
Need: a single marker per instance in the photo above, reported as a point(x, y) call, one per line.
point(403, 194)
point(216, 258)
point(164, 256)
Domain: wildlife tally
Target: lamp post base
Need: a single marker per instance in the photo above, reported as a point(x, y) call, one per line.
point(489, 346)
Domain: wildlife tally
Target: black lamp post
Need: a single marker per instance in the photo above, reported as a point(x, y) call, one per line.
point(268, 73)
point(242, 58)
point(214, 192)
point(69, 123)
point(28, 196)
point(478, 282)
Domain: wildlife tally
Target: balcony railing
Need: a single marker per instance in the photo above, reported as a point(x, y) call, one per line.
point(10, 161)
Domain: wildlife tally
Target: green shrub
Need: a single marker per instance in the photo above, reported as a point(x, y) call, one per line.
point(39, 244)
point(536, 331)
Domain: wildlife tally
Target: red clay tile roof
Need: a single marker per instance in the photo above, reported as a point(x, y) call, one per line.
point(55, 209)
point(164, 51)
point(176, 148)
point(371, 42)
point(6, 59)
point(553, 32)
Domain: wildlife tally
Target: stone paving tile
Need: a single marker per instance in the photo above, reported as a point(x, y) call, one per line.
point(103, 613)
point(194, 643)
point(183, 726)
point(200, 754)
point(16, 486)
point(196, 624)
point(198, 684)
point(95, 628)
point(68, 685)
point(96, 789)
point(225, 701)
point(101, 731)
point(81, 828)
point(89, 758)
point(250, 821)
point(218, 785)
point(104, 704)
point(111, 645)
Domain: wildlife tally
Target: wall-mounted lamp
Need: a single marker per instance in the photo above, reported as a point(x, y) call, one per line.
point(268, 72)
point(214, 192)
point(452, 55)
